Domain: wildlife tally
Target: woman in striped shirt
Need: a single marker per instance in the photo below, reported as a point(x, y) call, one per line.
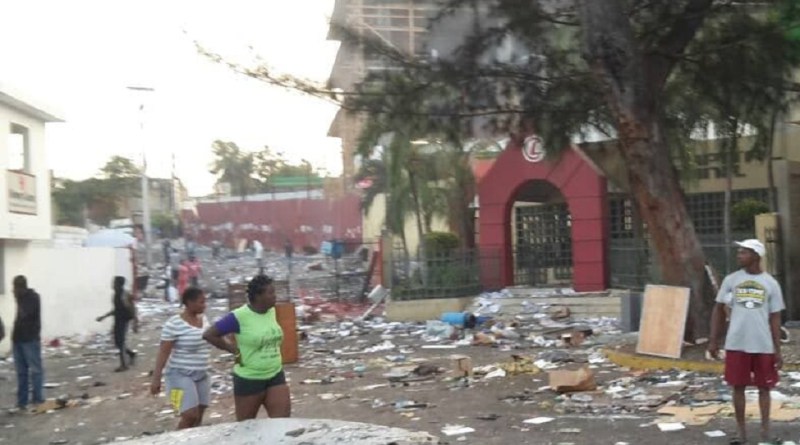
point(185, 355)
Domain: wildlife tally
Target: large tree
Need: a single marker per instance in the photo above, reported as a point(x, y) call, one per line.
point(580, 66)
point(633, 67)
point(97, 198)
point(236, 167)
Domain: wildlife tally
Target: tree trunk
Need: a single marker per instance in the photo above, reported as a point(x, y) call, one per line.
point(633, 86)
point(420, 230)
point(417, 207)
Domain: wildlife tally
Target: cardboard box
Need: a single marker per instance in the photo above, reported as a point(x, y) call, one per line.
point(462, 365)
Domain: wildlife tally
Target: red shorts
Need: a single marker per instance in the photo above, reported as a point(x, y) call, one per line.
point(745, 369)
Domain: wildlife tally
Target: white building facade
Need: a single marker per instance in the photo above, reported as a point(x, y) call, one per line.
point(25, 210)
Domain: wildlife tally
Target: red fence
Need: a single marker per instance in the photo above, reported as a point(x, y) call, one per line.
point(306, 222)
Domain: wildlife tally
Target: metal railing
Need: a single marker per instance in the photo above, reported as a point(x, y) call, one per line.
point(436, 275)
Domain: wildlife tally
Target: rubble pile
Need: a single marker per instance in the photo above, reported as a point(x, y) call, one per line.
point(522, 361)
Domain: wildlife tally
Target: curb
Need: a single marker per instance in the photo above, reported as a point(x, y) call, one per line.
point(637, 361)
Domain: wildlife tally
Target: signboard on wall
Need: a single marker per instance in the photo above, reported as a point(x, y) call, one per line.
point(21, 193)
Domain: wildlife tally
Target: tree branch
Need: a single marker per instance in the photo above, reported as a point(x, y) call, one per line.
point(662, 58)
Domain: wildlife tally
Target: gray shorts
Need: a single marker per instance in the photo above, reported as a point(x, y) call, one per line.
point(187, 389)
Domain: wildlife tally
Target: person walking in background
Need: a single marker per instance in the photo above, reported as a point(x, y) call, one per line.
point(288, 250)
point(183, 277)
point(258, 376)
point(27, 344)
point(195, 270)
point(752, 344)
point(167, 269)
point(258, 250)
point(185, 355)
point(124, 312)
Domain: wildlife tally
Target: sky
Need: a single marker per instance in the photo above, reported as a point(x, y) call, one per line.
point(78, 56)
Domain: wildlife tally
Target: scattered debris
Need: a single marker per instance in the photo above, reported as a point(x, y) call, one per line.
point(538, 420)
point(456, 430)
point(563, 381)
point(667, 427)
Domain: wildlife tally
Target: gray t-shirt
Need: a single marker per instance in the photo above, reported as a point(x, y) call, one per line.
point(752, 299)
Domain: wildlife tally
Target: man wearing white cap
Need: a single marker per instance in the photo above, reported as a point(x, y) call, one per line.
point(752, 345)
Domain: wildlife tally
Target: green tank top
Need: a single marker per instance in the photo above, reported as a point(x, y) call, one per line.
point(259, 340)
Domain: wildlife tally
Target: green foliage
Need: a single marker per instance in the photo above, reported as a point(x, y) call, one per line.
point(255, 172)
point(70, 204)
point(735, 72)
point(234, 166)
point(424, 164)
point(97, 198)
point(120, 167)
point(743, 213)
point(437, 243)
point(166, 224)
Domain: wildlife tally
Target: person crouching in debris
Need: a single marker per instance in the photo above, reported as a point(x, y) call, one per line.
point(752, 345)
point(124, 312)
point(185, 355)
point(258, 377)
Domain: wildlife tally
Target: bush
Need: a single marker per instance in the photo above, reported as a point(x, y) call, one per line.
point(743, 213)
point(310, 250)
point(441, 242)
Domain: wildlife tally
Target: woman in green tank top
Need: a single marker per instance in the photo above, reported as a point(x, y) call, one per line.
point(258, 377)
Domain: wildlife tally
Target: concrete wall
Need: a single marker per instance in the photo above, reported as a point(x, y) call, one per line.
point(422, 310)
point(64, 236)
point(374, 219)
point(307, 222)
point(74, 284)
point(787, 182)
point(17, 226)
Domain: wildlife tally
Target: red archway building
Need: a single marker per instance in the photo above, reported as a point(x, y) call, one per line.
point(584, 190)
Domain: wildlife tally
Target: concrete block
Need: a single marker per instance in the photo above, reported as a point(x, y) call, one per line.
point(293, 431)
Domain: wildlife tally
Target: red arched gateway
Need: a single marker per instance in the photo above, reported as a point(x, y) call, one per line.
point(583, 189)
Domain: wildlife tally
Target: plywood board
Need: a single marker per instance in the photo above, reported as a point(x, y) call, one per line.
point(663, 321)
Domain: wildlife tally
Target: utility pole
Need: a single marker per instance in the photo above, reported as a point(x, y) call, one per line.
point(145, 183)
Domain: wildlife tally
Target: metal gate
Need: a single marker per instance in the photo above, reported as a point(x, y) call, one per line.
point(543, 249)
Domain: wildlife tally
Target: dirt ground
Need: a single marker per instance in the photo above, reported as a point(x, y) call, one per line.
point(118, 405)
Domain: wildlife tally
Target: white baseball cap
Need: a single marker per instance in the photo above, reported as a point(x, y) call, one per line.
point(754, 245)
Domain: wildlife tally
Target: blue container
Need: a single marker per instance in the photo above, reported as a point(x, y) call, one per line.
point(326, 248)
point(337, 249)
point(454, 318)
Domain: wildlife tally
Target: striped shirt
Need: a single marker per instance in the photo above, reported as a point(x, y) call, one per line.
point(189, 351)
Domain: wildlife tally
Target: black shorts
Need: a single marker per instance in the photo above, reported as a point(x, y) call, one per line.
point(250, 387)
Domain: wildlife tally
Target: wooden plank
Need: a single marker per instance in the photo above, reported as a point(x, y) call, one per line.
point(663, 321)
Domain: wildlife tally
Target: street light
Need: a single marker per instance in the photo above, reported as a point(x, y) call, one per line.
point(145, 188)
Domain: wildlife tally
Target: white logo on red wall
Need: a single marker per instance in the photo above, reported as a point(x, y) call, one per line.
point(533, 149)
